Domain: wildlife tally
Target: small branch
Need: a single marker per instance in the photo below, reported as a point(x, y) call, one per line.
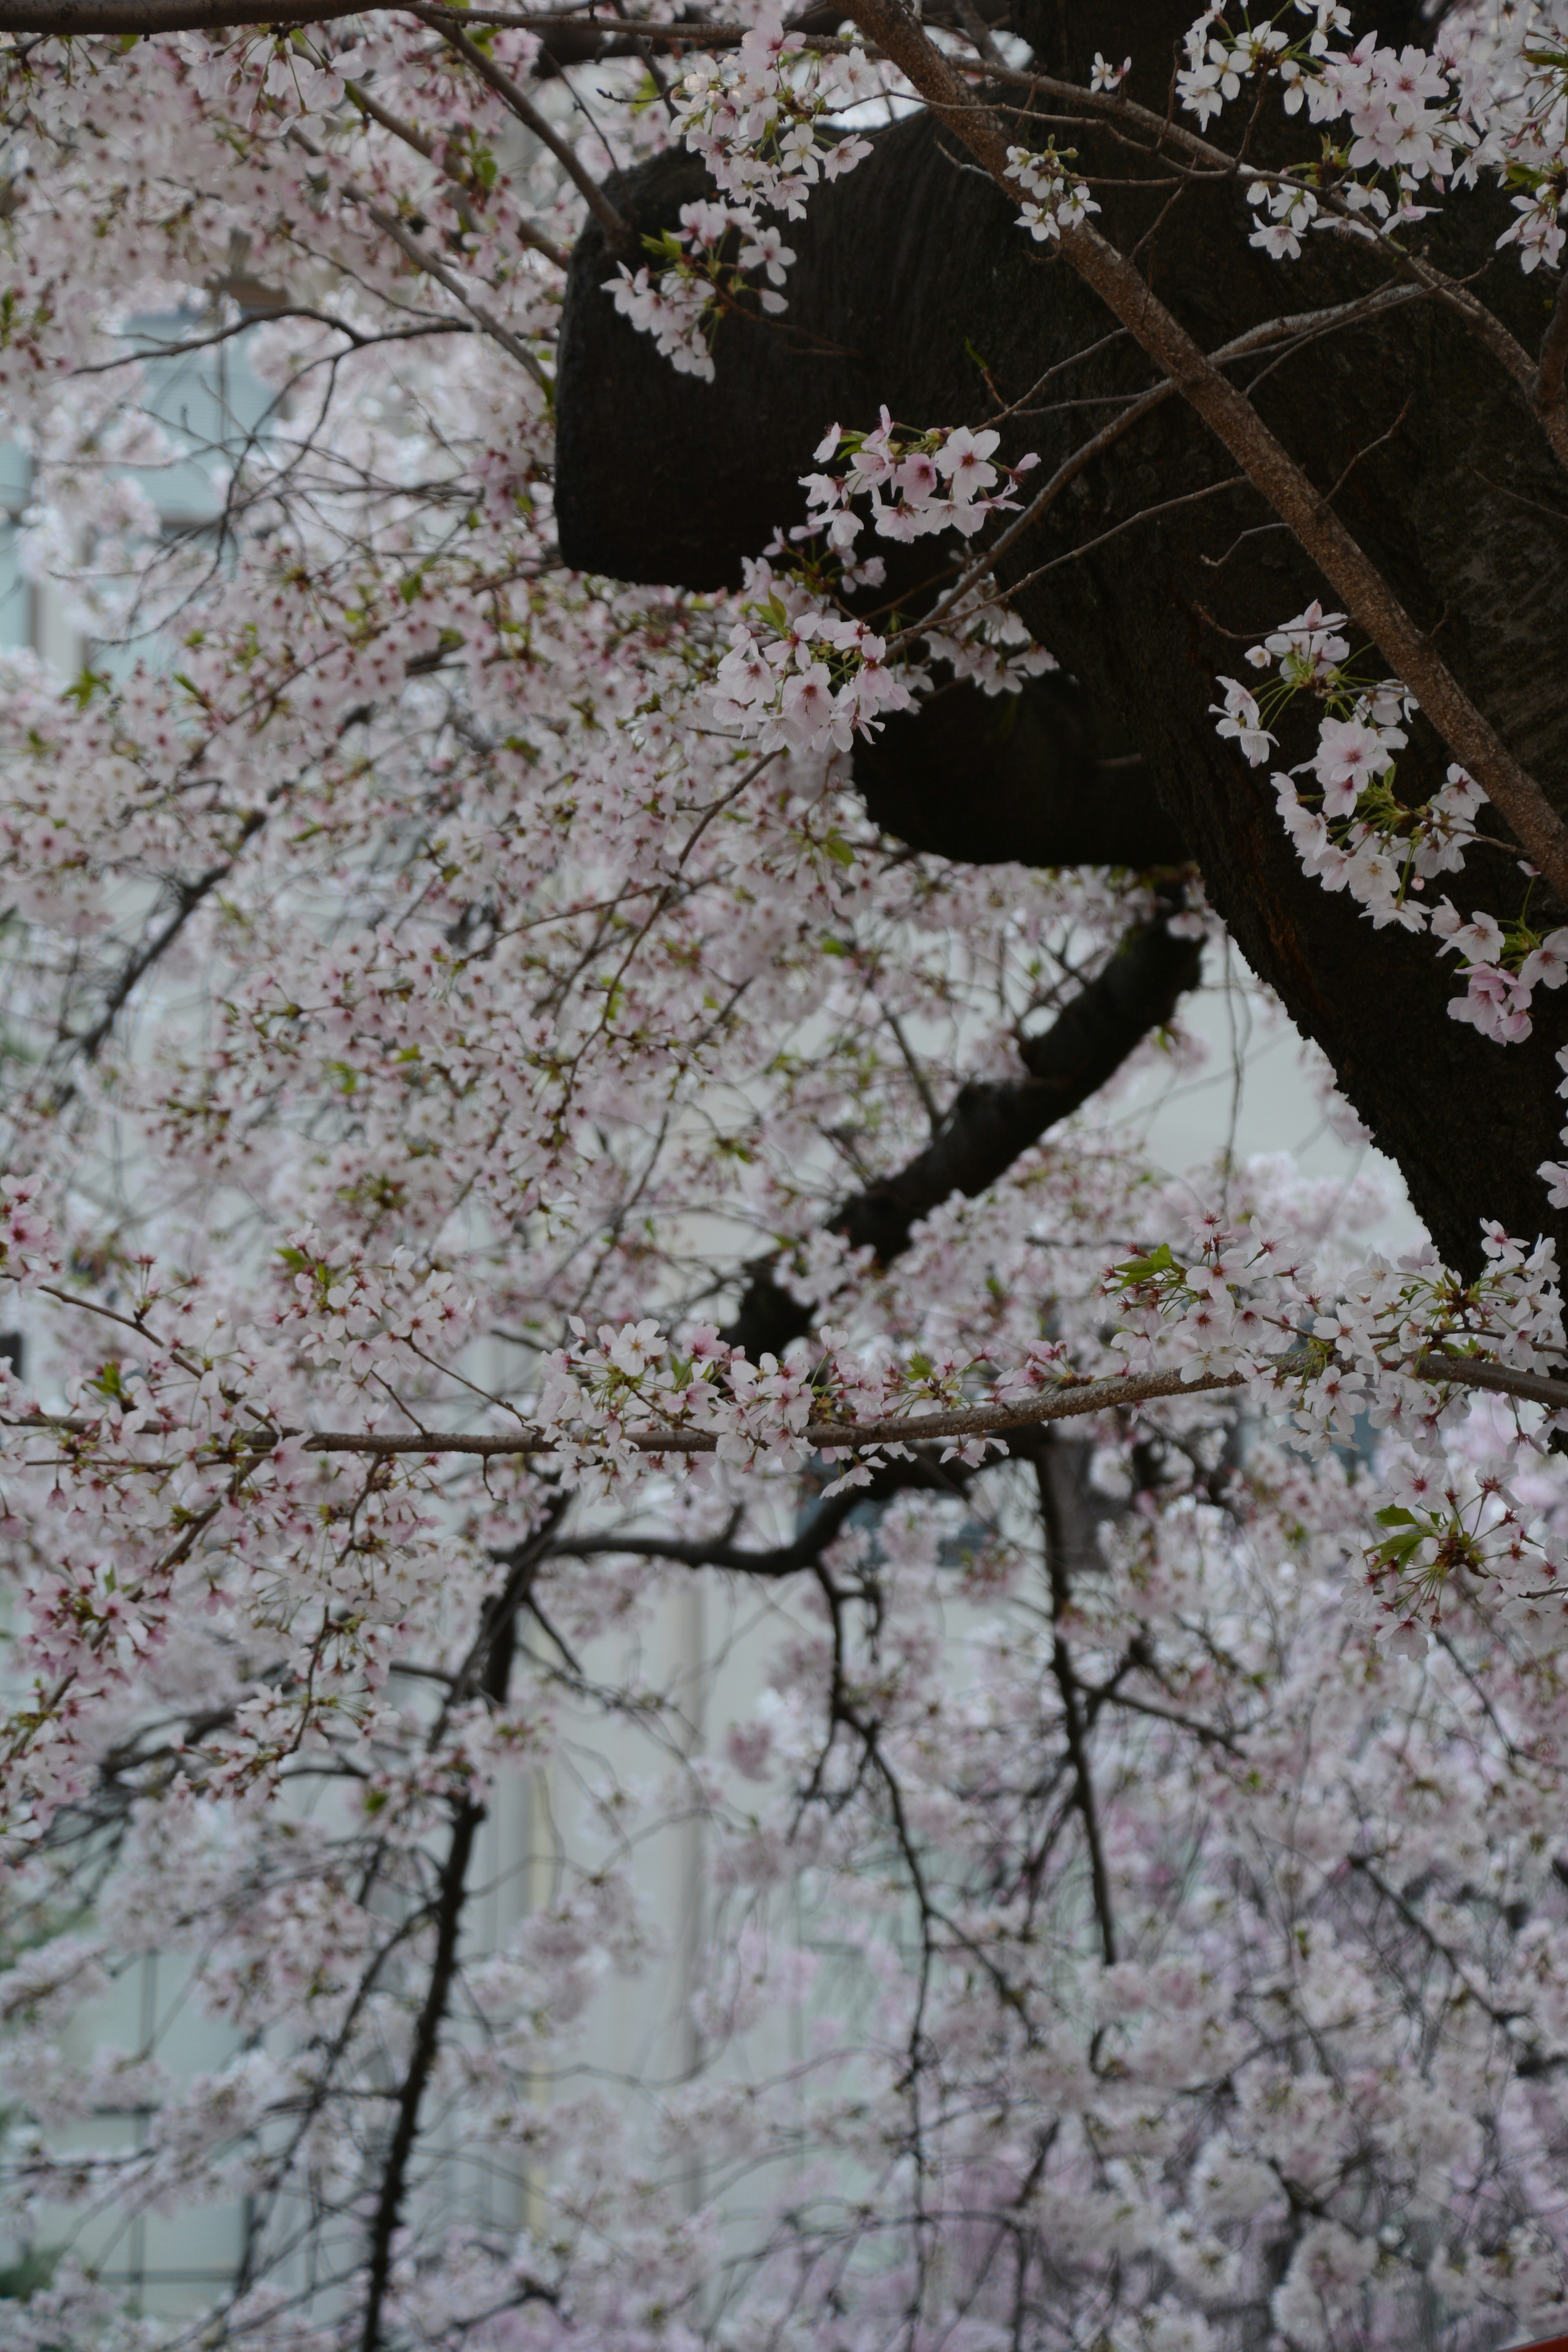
point(918, 1472)
point(1299, 326)
point(917, 1079)
point(409, 244)
point(978, 31)
point(393, 228)
point(1067, 1684)
point(1469, 1372)
point(1502, 2017)
point(411, 136)
point(243, 325)
point(618, 231)
point(487, 1668)
point(450, 1902)
point(188, 899)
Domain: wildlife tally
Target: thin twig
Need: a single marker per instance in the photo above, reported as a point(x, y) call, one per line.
point(409, 244)
point(618, 231)
point(412, 136)
point(1299, 326)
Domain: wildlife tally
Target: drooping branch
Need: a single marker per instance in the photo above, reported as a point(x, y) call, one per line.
point(989, 1124)
point(516, 99)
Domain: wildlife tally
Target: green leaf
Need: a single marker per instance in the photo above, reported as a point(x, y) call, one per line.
point(84, 686)
point(1140, 1269)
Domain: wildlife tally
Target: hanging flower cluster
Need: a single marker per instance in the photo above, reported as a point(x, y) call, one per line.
point(1355, 833)
point(757, 119)
point(1055, 199)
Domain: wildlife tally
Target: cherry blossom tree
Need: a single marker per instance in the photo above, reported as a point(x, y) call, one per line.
point(530, 1094)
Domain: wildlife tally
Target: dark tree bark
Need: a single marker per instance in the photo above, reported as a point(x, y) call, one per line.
point(1040, 777)
point(911, 272)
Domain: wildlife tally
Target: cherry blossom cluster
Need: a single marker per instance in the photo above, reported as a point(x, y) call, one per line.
point(756, 117)
point(804, 672)
point(915, 482)
point(179, 1436)
point(801, 674)
point(1531, 147)
point(702, 272)
point(1491, 94)
point(1053, 197)
point(1368, 1349)
point(1355, 833)
point(1405, 111)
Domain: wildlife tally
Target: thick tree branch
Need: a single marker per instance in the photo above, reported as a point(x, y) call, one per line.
point(988, 1126)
